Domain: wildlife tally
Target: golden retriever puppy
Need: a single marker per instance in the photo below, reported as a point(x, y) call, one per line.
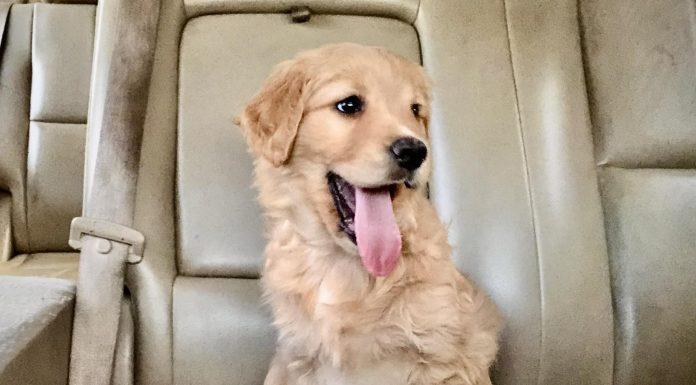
point(358, 271)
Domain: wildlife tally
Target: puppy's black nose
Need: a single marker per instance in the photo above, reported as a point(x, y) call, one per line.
point(408, 152)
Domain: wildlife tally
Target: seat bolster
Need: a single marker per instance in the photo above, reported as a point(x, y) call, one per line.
point(15, 77)
point(478, 183)
point(569, 225)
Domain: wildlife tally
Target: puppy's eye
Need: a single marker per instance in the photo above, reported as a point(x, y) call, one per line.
point(350, 105)
point(416, 108)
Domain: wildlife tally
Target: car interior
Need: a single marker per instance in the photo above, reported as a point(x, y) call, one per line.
point(564, 165)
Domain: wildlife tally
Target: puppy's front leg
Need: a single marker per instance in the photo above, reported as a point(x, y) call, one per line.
point(277, 372)
point(288, 369)
point(448, 374)
point(459, 381)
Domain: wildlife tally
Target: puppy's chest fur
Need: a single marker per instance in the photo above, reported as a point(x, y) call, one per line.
point(330, 312)
point(338, 325)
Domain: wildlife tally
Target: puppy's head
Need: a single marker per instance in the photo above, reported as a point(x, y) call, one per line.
point(350, 123)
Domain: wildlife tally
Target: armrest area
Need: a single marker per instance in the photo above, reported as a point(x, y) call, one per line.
point(35, 330)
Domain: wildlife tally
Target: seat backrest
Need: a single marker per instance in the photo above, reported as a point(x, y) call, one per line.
point(515, 178)
point(641, 70)
point(199, 316)
point(45, 73)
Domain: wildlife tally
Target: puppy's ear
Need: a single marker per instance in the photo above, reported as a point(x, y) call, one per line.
point(271, 118)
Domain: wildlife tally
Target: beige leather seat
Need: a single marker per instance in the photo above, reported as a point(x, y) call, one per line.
point(515, 176)
point(641, 71)
point(519, 145)
point(564, 151)
point(45, 64)
point(45, 73)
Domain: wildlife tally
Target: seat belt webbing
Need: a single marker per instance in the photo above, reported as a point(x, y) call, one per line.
point(124, 50)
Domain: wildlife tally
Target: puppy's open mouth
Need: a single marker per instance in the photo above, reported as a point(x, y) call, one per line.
point(366, 216)
point(343, 194)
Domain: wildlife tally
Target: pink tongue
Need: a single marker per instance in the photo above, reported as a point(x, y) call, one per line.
point(378, 237)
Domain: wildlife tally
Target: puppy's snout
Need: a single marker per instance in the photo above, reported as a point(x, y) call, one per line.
point(408, 152)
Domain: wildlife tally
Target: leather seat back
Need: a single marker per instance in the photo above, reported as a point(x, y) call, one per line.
point(515, 139)
point(45, 64)
point(45, 74)
point(641, 68)
point(195, 301)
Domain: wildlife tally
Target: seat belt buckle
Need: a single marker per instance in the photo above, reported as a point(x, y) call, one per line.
point(81, 226)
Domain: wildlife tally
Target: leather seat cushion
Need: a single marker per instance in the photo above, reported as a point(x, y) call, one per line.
point(222, 332)
point(35, 330)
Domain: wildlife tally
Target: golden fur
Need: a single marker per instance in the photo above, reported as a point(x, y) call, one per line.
point(424, 323)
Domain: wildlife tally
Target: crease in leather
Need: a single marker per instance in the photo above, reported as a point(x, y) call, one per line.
point(415, 16)
point(530, 196)
point(588, 85)
point(77, 2)
point(59, 121)
point(25, 192)
point(622, 166)
point(612, 274)
point(420, 52)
